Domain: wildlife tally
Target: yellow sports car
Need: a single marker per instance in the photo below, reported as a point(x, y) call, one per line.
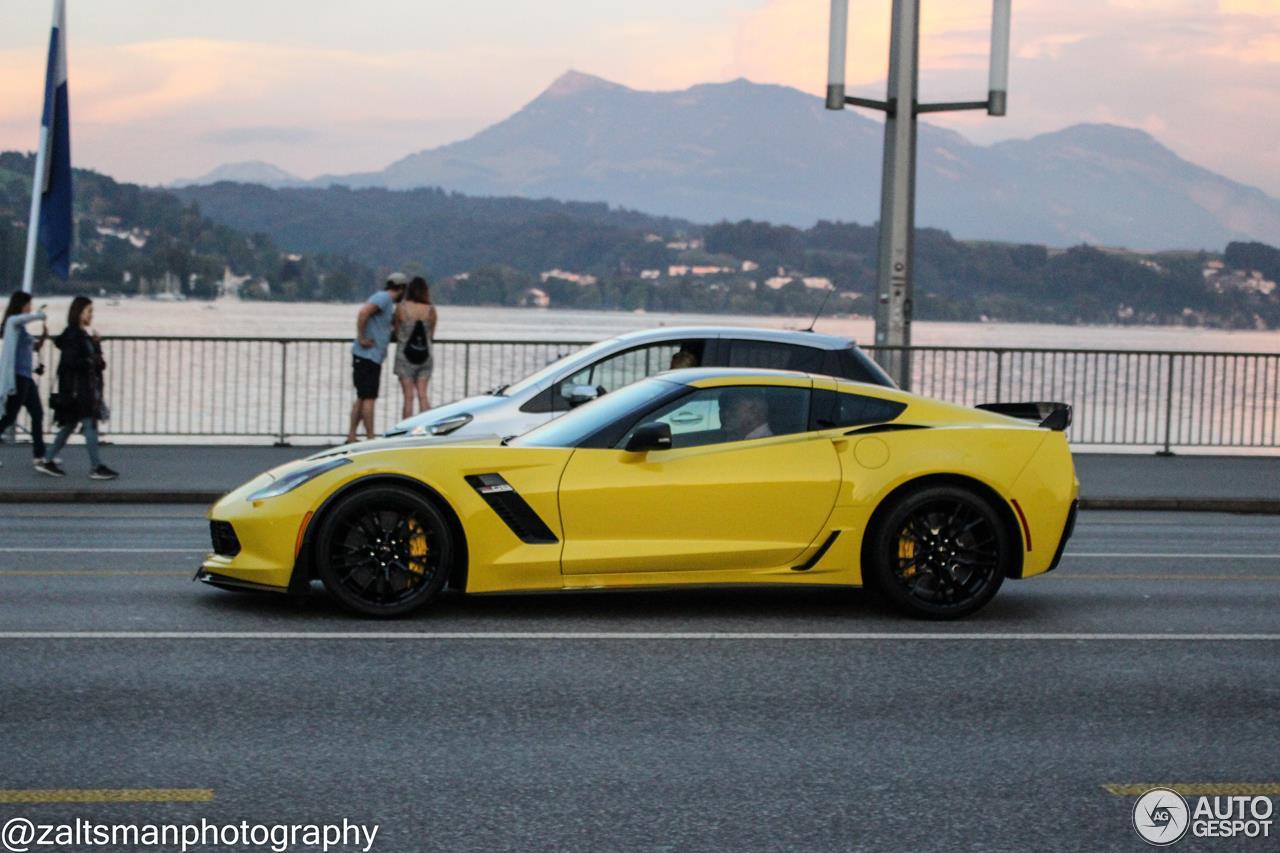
point(692, 477)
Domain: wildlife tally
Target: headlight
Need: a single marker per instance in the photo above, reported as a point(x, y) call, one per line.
point(444, 426)
point(293, 479)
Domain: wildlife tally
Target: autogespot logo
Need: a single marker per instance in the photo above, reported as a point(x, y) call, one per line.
point(1161, 816)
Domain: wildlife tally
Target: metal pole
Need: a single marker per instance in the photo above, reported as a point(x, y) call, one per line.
point(1168, 407)
point(897, 195)
point(33, 224)
point(999, 372)
point(284, 387)
point(466, 369)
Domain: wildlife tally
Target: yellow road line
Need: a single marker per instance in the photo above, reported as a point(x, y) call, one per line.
point(85, 573)
point(1200, 789)
point(106, 795)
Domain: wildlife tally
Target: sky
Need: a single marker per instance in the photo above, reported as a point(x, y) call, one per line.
point(163, 90)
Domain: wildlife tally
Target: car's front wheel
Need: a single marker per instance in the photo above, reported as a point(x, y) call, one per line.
point(384, 551)
point(939, 552)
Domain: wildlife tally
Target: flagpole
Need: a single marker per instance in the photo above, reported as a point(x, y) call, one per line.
point(33, 225)
point(41, 176)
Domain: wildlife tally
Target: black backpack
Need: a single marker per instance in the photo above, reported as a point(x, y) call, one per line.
point(418, 348)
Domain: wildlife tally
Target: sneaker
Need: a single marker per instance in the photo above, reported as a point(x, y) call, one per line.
point(49, 467)
point(57, 460)
point(102, 472)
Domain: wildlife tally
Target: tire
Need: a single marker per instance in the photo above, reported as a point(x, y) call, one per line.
point(367, 552)
point(940, 552)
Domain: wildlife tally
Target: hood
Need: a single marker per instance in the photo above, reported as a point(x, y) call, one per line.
point(473, 406)
point(404, 442)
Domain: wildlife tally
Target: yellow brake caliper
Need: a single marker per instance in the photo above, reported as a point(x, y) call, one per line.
point(906, 550)
point(417, 548)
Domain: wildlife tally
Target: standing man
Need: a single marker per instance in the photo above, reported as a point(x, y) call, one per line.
point(369, 350)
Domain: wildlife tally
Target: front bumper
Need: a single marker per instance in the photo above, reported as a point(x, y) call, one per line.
point(258, 540)
point(224, 582)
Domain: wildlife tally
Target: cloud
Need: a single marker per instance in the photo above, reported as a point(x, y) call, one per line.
point(1204, 75)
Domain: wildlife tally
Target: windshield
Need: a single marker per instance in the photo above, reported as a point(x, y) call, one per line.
point(552, 369)
point(584, 421)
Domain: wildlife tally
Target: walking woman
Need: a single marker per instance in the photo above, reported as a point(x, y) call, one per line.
point(18, 387)
point(79, 398)
point(415, 331)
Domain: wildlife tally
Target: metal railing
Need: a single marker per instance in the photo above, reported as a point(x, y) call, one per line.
point(1148, 398)
point(290, 389)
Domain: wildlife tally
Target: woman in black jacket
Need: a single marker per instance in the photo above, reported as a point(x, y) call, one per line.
point(79, 398)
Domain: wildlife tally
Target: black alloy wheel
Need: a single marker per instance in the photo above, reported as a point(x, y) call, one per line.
point(940, 552)
point(384, 551)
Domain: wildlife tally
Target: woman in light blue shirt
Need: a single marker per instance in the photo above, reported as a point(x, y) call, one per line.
point(18, 387)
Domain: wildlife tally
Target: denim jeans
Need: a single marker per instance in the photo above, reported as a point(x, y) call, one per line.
point(90, 428)
point(26, 394)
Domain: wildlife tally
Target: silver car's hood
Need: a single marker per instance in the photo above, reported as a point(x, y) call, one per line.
point(403, 442)
point(468, 406)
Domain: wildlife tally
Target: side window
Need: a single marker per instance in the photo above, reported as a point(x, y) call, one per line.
point(736, 413)
point(833, 409)
point(855, 364)
point(623, 368)
point(775, 356)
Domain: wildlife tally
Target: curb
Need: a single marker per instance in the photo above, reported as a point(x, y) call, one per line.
point(1250, 506)
point(93, 496)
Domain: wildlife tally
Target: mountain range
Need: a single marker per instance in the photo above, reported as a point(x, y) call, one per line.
point(742, 150)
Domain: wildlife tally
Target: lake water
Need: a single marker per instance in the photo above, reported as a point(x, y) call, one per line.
point(312, 319)
point(193, 389)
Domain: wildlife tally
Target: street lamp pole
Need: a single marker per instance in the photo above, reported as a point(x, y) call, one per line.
point(898, 181)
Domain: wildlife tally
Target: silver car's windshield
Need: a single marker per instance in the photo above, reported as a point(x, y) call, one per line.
point(555, 368)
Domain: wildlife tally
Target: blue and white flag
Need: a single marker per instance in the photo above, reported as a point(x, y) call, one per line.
point(55, 227)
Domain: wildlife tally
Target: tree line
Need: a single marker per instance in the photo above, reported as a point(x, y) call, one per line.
point(334, 244)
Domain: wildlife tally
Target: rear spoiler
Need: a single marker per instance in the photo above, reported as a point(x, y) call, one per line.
point(1054, 416)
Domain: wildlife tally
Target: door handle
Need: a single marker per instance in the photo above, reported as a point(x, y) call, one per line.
point(686, 418)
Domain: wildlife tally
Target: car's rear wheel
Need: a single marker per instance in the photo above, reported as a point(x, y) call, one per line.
point(384, 551)
point(939, 552)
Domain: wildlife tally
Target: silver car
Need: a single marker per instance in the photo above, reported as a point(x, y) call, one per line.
point(610, 364)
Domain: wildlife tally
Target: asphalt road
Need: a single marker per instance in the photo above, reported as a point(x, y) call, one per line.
point(879, 734)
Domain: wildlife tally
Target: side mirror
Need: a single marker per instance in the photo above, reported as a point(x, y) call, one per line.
point(579, 394)
point(650, 436)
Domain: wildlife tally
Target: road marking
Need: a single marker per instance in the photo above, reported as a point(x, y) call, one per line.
point(1149, 556)
point(1160, 577)
point(90, 549)
point(1091, 555)
point(106, 795)
point(85, 573)
point(1200, 789)
point(625, 635)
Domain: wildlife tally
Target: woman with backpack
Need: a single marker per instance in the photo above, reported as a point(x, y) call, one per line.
point(78, 401)
point(17, 375)
point(415, 332)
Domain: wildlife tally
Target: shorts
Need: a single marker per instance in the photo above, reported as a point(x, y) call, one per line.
point(367, 376)
point(406, 369)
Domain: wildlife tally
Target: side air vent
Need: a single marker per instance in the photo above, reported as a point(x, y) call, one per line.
point(512, 509)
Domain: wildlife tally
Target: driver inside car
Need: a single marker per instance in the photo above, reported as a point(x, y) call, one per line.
point(744, 414)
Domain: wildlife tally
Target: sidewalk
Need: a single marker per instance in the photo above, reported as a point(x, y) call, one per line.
point(202, 473)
